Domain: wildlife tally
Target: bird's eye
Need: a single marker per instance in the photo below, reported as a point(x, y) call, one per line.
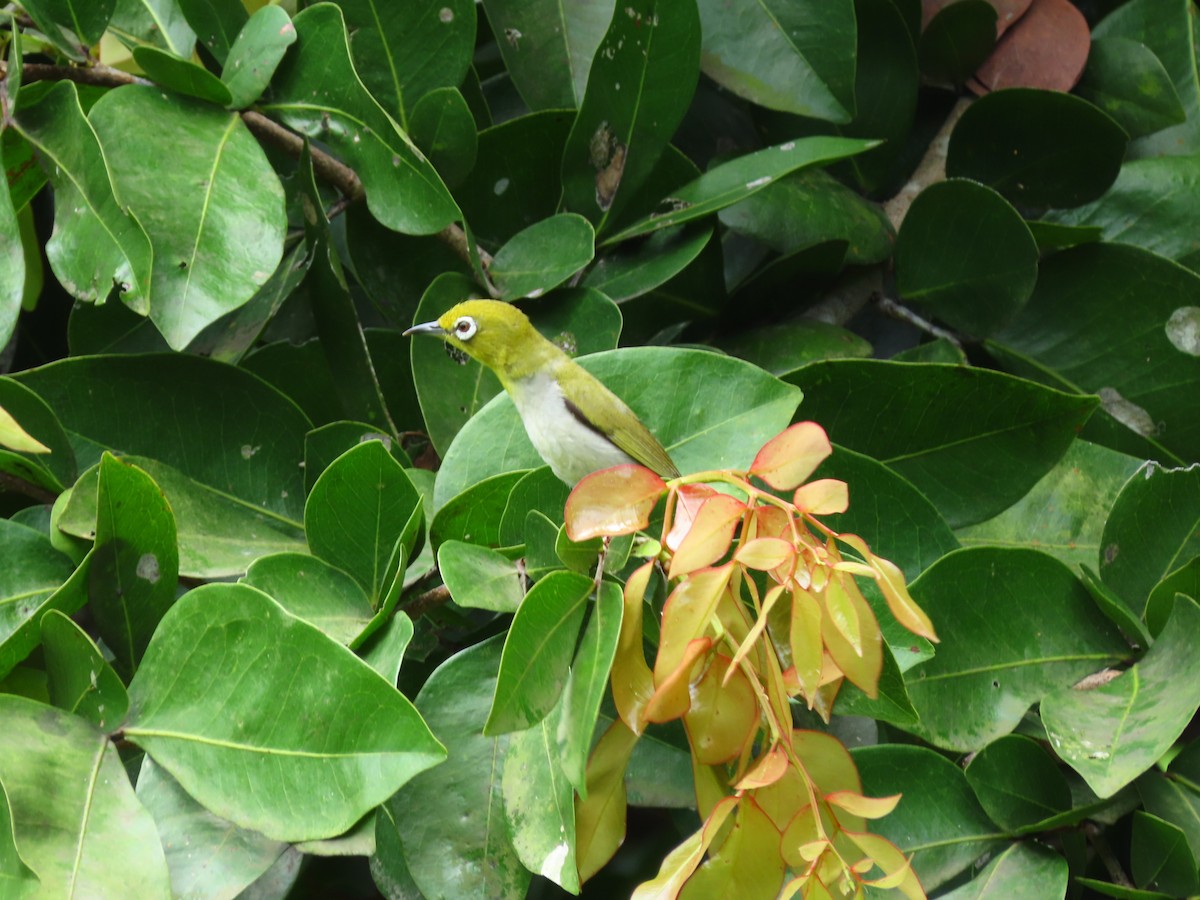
point(465, 328)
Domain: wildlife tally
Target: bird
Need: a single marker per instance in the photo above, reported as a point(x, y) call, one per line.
point(577, 425)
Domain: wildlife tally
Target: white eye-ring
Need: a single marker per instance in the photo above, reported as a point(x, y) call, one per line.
point(465, 328)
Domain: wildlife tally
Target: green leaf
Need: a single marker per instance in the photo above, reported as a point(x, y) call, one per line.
point(313, 590)
point(586, 684)
point(1151, 531)
point(218, 535)
point(325, 444)
point(76, 818)
point(797, 57)
point(1116, 321)
point(892, 703)
point(87, 19)
point(548, 45)
point(404, 52)
point(466, 789)
point(317, 93)
point(731, 182)
point(1165, 27)
point(217, 424)
point(1018, 783)
point(543, 256)
point(1064, 513)
point(939, 820)
point(135, 566)
point(965, 254)
point(19, 880)
point(539, 803)
point(358, 509)
point(1173, 795)
point(31, 582)
point(53, 470)
point(182, 76)
point(475, 515)
point(636, 267)
point(1126, 80)
point(81, 682)
point(537, 652)
point(972, 440)
point(736, 408)
point(95, 244)
point(1037, 148)
point(206, 854)
point(443, 127)
point(1184, 580)
point(156, 22)
point(1161, 858)
point(1023, 871)
point(1030, 629)
point(783, 347)
point(1152, 702)
point(809, 208)
point(12, 265)
point(957, 40)
point(1051, 236)
point(1152, 204)
point(1115, 608)
point(255, 55)
point(384, 650)
point(213, 247)
point(479, 578)
point(641, 82)
point(216, 23)
point(232, 683)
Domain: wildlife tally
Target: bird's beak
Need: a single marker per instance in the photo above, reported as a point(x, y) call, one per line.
point(425, 328)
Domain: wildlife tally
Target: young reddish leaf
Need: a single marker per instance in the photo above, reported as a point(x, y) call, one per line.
point(756, 631)
point(709, 537)
point(632, 680)
point(866, 807)
point(800, 833)
point(808, 649)
point(787, 459)
point(772, 522)
point(903, 607)
point(688, 500)
point(612, 502)
point(843, 613)
point(862, 663)
point(823, 497)
point(769, 769)
point(746, 864)
point(681, 862)
point(686, 615)
point(889, 857)
point(600, 819)
point(766, 554)
point(782, 798)
point(723, 713)
point(673, 696)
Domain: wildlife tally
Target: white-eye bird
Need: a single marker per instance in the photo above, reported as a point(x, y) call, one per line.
point(575, 423)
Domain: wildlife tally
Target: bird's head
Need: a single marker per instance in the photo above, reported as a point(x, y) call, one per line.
point(489, 331)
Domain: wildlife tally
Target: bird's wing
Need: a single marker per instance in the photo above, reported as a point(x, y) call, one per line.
point(632, 438)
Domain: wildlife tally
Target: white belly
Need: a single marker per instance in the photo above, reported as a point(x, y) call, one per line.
point(571, 449)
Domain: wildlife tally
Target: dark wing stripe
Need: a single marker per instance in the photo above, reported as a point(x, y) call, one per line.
point(583, 420)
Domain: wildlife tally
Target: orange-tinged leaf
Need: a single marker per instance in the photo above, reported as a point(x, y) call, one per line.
point(787, 459)
point(632, 680)
point(829, 765)
point(752, 637)
point(688, 500)
point(686, 615)
point(823, 497)
point(899, 874)
point(746, 864)
point(772, 522)
point(801, 831)
point(766, 554)
point(866, 807)
point(612, 502)
point(681, 862)
point(861, 664)
point(902, 606)
point(600, 819)
point(769, 768)
point(808, 649)
point(723, 713)
point(842, 610)
point(673, 695)
point(709, 537)
point(783, 798)
point(711, 787)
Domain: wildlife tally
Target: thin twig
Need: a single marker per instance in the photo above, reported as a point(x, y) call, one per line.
point(423, 603)
point(904, 314)
point(17, 485)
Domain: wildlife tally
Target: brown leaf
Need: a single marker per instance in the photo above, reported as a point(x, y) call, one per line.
point(1007, 12)
point(1046, 49)
point(612, 502)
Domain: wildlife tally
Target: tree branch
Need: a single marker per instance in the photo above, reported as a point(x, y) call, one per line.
point(18, 485)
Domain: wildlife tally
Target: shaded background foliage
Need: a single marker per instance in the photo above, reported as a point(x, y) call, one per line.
point(966, 231)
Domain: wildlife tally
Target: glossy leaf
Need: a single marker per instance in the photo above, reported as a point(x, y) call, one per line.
point(686, 615)
point(1184, 580)
point(315, 591)
point(1023, 871)
point(789, 458)
point(795, 57)
point(216, 23)
point(1153, 701)
point(96, 244)
point(612, 502)
point(182, 76)
point(21, 880)
point(737, 408)
point(957, 40)
point(638, 89)
point(543, 256)
point(1018, 783)
point(160, 23)
point(1037, 148)
point(708, 536)
point(723, 714)
point(282, 723)
point(86, 20)
point(943, 431)
point(403, 190)
point(442, 126)
point(36, 581)
point(973, 691)
point(76, 818)
point(479, 578)
point(732, 182)
point(357, 510)
point(631, 270)
point(1160, 856)
point(255, 54)
point(12, 265)
point(1125, 79)
point(538, 651)
point(467, 788)
point(81, 682)
point(600, 812)
point(632, 680)
point(966, 255)
point(31, 424)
